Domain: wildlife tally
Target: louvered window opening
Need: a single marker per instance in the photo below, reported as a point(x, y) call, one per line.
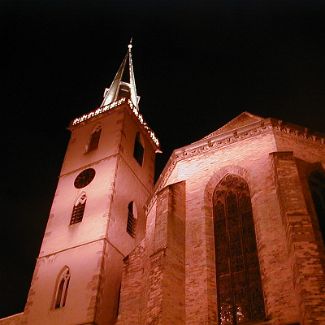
point(131, 223)
point(77, 213)
point(239, 289)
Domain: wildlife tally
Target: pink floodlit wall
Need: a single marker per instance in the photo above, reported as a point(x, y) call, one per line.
point(84, 278)
point(77, 156)
point(94, 248)
point(169, 272)
point(254, 156)
point(59, 234)
point(249, 159)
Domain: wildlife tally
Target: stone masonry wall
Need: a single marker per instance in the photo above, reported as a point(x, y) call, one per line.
point(250, 160)
point(292, 278)
point(153, 286)
point(309, 279)
point(166, 302)
point(132, 287)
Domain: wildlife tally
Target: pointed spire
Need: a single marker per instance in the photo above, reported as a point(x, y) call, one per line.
point(112, 93)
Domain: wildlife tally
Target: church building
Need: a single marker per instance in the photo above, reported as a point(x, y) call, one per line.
point(232, 232)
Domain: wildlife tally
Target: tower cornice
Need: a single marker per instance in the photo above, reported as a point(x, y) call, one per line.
point(101, 111)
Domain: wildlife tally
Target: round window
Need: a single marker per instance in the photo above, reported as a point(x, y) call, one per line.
point(84, 178)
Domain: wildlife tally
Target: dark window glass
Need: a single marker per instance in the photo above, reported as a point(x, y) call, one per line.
point(94, 139)
point(317, 189)
point(78, 209)
point(59, 294)
point(239, 290)
point(131, 223)
point(138, 149)
point(62, 288)
point(84, 178)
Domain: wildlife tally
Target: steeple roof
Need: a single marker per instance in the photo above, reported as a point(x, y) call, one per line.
point(111, 94)
point(121, 93)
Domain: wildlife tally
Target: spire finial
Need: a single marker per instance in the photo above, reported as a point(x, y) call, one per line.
point(111, 93)
point(130, 44)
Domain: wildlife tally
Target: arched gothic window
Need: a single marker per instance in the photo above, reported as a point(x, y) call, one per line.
point(78, 209)
point(94, 139)
point(138, 150)
point(239, 290)
point(317, 189)
point(62, 288)
point(132, 219)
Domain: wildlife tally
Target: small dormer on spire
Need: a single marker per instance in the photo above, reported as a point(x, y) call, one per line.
point(120, 87)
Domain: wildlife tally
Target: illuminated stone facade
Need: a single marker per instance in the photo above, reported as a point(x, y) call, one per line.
point(170, 278)
point(230, 234)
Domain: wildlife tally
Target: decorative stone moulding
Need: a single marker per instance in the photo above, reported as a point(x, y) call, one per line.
point(216, 140)
point(97, 112)
point(298, 132)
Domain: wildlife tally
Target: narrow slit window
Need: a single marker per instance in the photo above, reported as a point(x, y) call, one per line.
point(132, 220)
point(94, 139)
point(78, 209)
point(138, 151)
point(118, 301)
point(62, 288)
point(317, 188)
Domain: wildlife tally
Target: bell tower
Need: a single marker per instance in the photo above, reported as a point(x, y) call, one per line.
point(97, 215)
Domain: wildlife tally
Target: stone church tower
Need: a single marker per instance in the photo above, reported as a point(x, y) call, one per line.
point(97, 216)
point(232, 233)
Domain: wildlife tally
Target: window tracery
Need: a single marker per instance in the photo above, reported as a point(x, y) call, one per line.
point(62, 288)
point(239, 290)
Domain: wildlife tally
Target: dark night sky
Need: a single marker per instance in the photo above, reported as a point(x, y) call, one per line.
point(198, 64)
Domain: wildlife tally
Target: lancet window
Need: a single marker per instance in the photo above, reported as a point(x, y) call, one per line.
point(239, 289)
point(132, 219)
point(62, 288)
point(94, 139)
point(78, 209)
point(138, 150)
point(317, 189)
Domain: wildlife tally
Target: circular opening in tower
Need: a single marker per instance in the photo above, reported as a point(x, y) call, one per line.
point(84, 178)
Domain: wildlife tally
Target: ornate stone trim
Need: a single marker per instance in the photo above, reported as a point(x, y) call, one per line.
point(213, 142)
point(106, 108)
point(299, 132)
point(209, 144)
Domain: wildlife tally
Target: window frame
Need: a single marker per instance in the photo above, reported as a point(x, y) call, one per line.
point(78, 210)
point(316, 183)
point(131, 219)
point(94, 139)
point(139, 149)
point(238, 275)
point(61, 288)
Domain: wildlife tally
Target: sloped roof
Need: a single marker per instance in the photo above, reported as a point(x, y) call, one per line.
point(111, 93)
point(235, 130)
point(242, 120)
